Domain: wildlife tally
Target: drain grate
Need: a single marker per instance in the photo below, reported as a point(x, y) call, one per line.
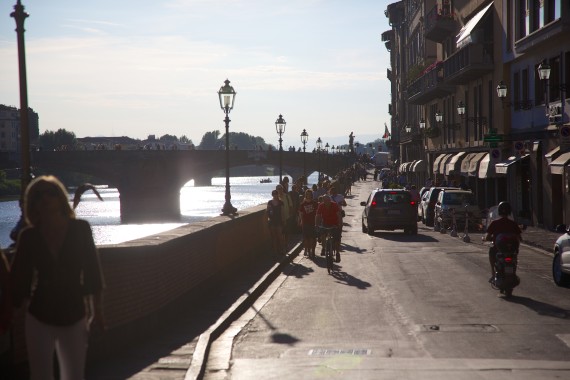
point(329, 352)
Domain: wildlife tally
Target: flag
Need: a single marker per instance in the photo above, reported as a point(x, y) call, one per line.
point(386, 133)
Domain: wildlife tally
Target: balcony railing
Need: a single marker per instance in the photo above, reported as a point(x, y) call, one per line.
point(440, 22)
point(468, 63)
point(428, 86)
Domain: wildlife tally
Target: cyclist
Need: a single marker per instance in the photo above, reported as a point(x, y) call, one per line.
point(328, 215)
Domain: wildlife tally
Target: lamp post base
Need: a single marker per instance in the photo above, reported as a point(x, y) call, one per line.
point(228, 209)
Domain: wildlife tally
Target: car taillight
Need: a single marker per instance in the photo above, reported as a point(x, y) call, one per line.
point(373, 204)
point(412, 203)
point(508, 260)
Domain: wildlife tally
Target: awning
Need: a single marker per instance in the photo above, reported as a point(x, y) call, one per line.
point(553, 154)
point(487, 167)
point(419, 166)
point(406, 166)
point(454, 164)
point(401, 168)
point(503, 167)
point(474, 163)
point(436, 163)
point(557, 166)
point(443, 163)
point(464, 36)
point(465, 163)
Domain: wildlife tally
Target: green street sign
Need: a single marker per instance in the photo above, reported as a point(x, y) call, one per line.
point(493, 138)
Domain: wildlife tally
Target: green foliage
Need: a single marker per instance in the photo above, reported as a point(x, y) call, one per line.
point(61, 139)
point(168, 138)
point(8, 187)
point(244, 141)
point(185, 140)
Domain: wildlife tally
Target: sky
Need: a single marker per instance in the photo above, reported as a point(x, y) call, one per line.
point(153, 67)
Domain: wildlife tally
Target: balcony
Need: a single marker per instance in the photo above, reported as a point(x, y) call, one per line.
point(389, 74)
point(468, 63)
point(388, 35)
point(429, 86)
point(440, 23)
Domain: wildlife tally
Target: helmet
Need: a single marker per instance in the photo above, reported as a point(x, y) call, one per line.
point(504, 209)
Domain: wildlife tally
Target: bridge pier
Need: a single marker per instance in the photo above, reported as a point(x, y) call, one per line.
point(202, 179)
point(149, 204)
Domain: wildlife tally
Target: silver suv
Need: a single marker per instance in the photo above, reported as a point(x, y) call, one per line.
point(390, 209)
point(460, 203)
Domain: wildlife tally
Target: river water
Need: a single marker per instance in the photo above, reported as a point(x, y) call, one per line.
point(196, 203)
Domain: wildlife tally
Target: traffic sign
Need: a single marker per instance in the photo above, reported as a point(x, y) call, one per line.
point(493, 138)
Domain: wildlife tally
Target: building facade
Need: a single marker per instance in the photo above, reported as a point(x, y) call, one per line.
point(451, 115)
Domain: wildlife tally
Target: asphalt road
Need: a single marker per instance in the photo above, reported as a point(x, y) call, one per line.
point(399, 307)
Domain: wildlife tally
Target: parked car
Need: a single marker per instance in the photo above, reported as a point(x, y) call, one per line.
point(390, 209)
point(458, 203)
point(561, 260)
point(428, 205)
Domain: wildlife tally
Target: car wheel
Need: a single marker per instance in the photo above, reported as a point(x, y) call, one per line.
point(560, 278)
point(414, 230)
point(370, 229)
point(364, 229)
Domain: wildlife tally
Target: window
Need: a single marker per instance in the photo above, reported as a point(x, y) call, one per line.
point(490, 97)
point(524, 84)
point(554, 81)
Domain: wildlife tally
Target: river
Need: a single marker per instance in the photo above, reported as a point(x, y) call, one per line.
point(196, 203)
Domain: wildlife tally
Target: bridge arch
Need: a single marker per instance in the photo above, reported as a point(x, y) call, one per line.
point(149, 181)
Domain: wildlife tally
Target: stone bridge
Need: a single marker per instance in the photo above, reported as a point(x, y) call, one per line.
point(149, 181)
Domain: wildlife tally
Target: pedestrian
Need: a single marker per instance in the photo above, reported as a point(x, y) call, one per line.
point(56, 276)
point(307, 213)
point(415, 194)
point(273, 214)
point(286, 211)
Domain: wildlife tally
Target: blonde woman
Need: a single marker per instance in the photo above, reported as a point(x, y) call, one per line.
point(56, 276)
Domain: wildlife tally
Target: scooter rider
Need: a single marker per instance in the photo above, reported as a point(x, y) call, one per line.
point(500, 226)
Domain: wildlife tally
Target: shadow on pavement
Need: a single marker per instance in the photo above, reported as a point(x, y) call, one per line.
point(540, 308)
point(351, 248)
point(345, 278)
point(399, 236)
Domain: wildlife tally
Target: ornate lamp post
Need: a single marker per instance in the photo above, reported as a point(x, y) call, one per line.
point(327, 146)
point(20, 15)
point(227, 97)
point(304, 139)
point(280, 128)
point(544, 75)
point(319, 147)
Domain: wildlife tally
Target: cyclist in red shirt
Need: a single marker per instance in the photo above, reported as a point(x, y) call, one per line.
point(328, 215)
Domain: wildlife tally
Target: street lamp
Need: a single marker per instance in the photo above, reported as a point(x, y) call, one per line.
point(327, 146)
point(304, 139)
point(422, 123)
point(319, 147)
point(544, 75)
point(461, 108)
point(20, 15)
point(438, 117)
point(280, 128)
point(408, 128)
point(227, 97)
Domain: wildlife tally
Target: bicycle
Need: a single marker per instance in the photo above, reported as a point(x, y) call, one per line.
point(328, 244)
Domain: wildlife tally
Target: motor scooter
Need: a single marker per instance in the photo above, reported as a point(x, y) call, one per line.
point(505, 278)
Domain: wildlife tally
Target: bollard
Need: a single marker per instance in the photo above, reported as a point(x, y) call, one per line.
point(466, 237)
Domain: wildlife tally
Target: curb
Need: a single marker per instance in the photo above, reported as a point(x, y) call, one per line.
point(202, 350)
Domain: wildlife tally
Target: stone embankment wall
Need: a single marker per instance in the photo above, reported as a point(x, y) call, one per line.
point(145, 276)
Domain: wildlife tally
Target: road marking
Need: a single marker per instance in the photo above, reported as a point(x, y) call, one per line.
point(565, 338)
point(328, 352)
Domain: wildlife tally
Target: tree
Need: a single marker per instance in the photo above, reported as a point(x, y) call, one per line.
point(185, 140)
point(210, 140)
point(168, 138)
point(61, 139)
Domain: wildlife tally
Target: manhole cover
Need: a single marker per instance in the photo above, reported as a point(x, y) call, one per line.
point(328, 352)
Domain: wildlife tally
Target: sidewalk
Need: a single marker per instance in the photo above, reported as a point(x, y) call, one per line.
point(540, 238)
